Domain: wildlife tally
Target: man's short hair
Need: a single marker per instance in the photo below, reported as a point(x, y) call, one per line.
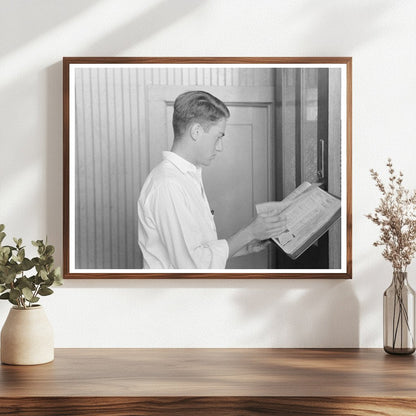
point(197, 107)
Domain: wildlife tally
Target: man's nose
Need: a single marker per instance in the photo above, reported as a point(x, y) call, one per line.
point(218, 146)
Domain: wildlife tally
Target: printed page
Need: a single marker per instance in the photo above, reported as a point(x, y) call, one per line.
point(307, 217)
point(309, 214)
point(279, 206)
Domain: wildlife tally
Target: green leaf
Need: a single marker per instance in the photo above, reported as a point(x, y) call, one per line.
point(17, 241)
point(27, 293)
point(43, 275)
point(47, 260)
point(2, 288)
point(56, 274)
point(49, 250)
point(15, 294)
point(35, 262)
point(45, 291)
point(4, 257)
point(5, 250)
point(21, 255)
point(26, 264)
point(7, 297)
point(13, 302)
point(9, 278)
point(38, 280)
point(24, 282)
point(48, 282)
point(37, 243)
point(2, 236)
point(55, 277)
point(2, 227)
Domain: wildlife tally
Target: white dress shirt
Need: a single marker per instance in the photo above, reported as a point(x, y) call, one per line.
point(176, 226)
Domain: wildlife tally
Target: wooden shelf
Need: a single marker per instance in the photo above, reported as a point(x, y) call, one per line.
point(212, 382)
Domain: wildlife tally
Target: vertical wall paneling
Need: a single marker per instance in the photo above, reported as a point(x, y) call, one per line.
point(207, 76)
point(127, 171)
point(200, 76)
point(235, 77)
point(192, 76)
point(112, 168)
point(228, 76)
point(136, 166)
point(163, 76)
point(104, 136)
point(96, 241)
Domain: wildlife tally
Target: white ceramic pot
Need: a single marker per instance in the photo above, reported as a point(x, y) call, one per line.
point(27, 337)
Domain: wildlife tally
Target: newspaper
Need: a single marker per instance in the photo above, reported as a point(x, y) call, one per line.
point(309, 212)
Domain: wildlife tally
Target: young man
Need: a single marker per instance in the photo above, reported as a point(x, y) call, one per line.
point(176, 226)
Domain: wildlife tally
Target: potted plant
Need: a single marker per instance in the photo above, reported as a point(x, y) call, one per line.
point(396, 217)
point(27, 336)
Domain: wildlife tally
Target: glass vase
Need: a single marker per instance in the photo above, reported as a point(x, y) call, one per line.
point(399, 316)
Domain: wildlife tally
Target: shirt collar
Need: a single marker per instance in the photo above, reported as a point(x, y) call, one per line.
point(182, 164)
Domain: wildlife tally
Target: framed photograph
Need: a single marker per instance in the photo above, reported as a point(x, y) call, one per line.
point(207, 167)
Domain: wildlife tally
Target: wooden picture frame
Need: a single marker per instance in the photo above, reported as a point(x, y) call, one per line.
point(294, 115)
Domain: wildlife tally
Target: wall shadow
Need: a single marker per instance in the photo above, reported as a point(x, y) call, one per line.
point(162, 15)
point(311, 16)
point(37, 18)
point(54, 169)
point(302, 314)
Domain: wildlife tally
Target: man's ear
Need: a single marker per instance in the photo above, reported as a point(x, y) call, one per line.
point(195, 131)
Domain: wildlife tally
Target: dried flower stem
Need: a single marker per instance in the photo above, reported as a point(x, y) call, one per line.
point(396, 217)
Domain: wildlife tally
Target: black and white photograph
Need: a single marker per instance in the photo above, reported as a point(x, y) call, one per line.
point(238, 168)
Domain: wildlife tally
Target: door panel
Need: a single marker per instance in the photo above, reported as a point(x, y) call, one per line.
point(238, 178)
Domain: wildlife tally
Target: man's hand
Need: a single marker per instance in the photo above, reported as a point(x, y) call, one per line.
point(253, 247)
point(267, 225)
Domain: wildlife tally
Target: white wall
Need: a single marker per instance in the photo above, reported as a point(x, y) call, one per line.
point(380, 35)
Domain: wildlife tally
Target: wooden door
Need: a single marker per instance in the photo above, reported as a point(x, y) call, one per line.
point(238, 178)
point(243, 174)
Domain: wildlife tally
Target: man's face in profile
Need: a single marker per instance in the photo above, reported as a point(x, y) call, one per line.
point(210, 142)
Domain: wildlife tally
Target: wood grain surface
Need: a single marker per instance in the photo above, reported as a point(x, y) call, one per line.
point(212, 381)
